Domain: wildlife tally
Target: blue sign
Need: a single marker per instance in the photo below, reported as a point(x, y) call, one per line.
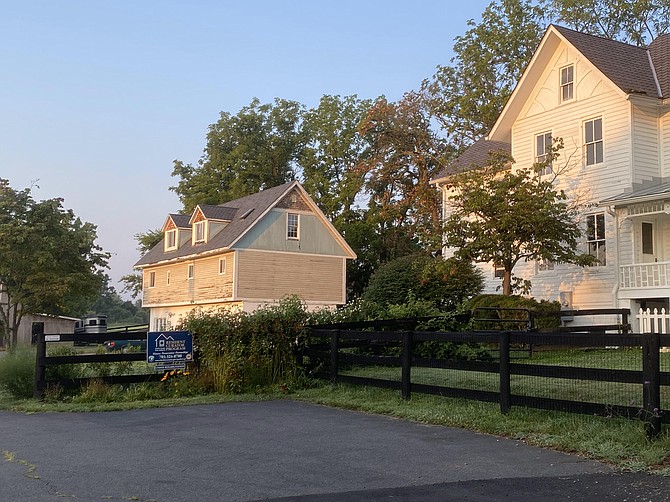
point(169, 347)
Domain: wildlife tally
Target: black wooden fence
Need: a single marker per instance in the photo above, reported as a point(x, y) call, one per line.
point(334, 350)
point(43, 361)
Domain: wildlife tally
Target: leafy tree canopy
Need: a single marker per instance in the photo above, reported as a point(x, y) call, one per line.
point(49, 262)
point(504, 215)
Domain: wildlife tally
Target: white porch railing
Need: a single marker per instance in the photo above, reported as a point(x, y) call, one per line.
point(653, 322)
point(645, 275)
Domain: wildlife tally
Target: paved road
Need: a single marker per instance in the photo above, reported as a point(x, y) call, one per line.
point(284, 450)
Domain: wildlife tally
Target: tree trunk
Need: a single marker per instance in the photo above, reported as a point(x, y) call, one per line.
point(507, 283)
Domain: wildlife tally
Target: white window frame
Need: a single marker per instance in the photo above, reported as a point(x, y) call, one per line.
point(222, 266)
point(200, 227)
point(152, 279)
point(567, 83)
point(292, 230)
point(596, 241)
point(544, 265)
point(171, 239)
point(543, 144)
point(594, 146)
point(167, 278)
point(191, 271)
point(498, 271)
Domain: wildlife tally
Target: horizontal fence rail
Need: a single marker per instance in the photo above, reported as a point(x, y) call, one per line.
point(622, 373)
point(43, 361)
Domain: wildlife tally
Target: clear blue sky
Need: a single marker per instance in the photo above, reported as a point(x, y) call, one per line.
point(98, 98)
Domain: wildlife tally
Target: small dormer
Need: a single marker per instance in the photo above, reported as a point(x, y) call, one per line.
point(176, 231)
point(207, 221)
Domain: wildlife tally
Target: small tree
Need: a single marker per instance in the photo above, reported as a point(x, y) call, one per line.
point(49, 262)
point(504, 215)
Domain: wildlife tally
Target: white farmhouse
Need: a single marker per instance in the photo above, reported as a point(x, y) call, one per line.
point(610, 102)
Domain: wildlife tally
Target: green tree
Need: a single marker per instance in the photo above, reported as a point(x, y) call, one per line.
point(49, 262)
point(504, 215)
point(255, 149)
point(466, 97)
point(633, 21)
point(117, 310)
point(132, 283)
point(333, 147)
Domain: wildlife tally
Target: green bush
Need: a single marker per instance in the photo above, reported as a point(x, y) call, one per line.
point(17, 372)
point(444, 283)
point(519, 302)
point(239, 351)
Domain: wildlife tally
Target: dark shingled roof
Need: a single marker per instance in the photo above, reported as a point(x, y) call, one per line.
point(259, 202)
point(478, 155)
point(660, 55)
point(649, 191)
point(181, 220)
point(627, 66)
point(224, 213)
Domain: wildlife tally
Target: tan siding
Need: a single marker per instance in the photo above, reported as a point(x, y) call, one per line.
point(267, 275)
point(206, 285)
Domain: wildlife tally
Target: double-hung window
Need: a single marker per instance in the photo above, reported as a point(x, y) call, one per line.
point(191, 271)
point(292, 226)
point(543, 144)
point(567, 83)
point(199, 232)
point(152, 279)
point(593, 141)
point(222, 266)
point(171, 239)
point(595, 237)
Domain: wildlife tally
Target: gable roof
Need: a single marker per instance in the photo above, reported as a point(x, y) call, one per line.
point(477, 155)
point(179, 221)
point(242, 215)
point(629, 67)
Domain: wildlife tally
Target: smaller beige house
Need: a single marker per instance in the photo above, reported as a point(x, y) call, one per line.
point(34, 324)
point(244, 254)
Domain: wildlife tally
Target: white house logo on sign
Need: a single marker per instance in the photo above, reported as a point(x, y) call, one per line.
point(172, 349)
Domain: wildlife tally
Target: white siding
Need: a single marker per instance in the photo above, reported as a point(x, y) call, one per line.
point(646, 155)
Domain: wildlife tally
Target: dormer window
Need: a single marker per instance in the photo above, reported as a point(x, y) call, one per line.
point(199, 234)
point(171, 239)
point(567, 83)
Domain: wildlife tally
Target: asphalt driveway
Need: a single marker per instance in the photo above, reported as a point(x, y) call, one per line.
point(285, 450)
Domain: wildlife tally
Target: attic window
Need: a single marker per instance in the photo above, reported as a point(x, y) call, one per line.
point(292, 226)
point(171, 239)
point(567, 83)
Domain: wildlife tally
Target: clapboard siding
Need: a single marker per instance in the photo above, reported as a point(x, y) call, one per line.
point(207, 284)
point(264, 275)
point(646, 154)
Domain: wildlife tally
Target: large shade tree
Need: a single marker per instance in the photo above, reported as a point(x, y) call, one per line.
point(49, 261)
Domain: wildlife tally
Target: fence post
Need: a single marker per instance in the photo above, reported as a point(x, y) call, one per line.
point(406, 363)
point(505, 386)
point(40, 367)
point(334, 353)
point(651, 375)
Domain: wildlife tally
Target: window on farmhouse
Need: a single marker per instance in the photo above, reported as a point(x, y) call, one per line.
point(152, 279)
point(199, 232)
point(222, 266)
point(567, 83)
point(171, 239)
point(543, 265)
point(498, 271)
point(595, 237)
point(292, 226)
point(543, 152)
point(190, 271)
point(593, 141)
point(647, 238)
